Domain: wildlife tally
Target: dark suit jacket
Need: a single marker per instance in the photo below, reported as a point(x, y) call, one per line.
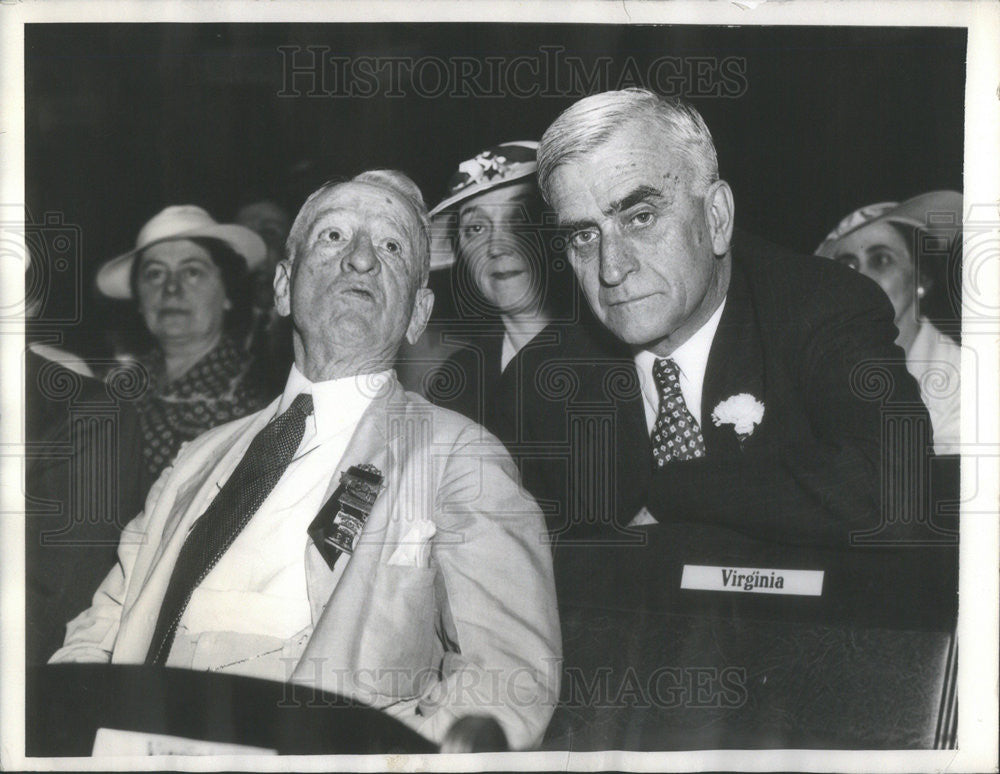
point(83, 482)
point(470, 380)
point(839, 454)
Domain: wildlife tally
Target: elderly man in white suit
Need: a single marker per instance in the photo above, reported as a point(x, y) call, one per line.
point(366, 542)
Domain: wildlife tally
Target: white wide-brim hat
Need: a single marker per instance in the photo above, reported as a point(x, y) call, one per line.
point(504, 164)
point(183, 221)
point(935, 210)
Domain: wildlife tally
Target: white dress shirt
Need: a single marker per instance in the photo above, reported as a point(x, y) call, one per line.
point(692, 360)
point(251, 613)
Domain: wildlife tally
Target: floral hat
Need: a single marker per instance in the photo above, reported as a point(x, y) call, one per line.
point(509, 162)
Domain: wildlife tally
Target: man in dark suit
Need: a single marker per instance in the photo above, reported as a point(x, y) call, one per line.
point(744, 387)
point(739, 412)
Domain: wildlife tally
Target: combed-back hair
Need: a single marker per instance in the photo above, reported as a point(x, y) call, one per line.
point(589, 123)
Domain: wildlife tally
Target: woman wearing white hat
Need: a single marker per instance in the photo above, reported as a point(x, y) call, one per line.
point(882, 241)
point(492, 227)
point(189, 277)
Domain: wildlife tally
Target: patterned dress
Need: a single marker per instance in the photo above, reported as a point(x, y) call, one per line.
point(217, 389)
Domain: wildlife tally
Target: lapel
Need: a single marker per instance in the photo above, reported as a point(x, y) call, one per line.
point(608, 379)
point(198, 475)
point(735, 363)
point(205, 483)
point(370, 444)
point(634, 457)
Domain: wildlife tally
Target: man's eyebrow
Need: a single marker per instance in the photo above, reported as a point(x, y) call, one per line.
point(640, 194)
point(319, 215)
point(392, 218)
point(576, 225)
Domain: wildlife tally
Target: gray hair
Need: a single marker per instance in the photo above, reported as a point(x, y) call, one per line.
point(390, 179)
point(589, 123)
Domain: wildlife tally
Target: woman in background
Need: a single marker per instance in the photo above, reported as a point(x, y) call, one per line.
point(883, 241)
point(494, 228)
point(189, 278)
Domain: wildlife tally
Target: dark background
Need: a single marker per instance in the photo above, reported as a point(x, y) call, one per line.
point(124, 119)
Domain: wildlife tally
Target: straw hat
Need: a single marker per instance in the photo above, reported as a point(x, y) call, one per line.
point(184, 221)
point(934, 210)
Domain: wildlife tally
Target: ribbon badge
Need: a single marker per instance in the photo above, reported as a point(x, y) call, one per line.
point(338, 525)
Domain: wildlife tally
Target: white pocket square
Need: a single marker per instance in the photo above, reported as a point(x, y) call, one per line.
point(414, 550)
point(642, 518)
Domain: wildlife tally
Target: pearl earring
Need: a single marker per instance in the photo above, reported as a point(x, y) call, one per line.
point(920, 291)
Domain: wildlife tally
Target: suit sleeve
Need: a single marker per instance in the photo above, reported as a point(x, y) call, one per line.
point(90, 637)
point(495, 561)
point(851, 468)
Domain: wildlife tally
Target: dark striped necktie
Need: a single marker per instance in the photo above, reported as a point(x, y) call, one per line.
point(258, 472)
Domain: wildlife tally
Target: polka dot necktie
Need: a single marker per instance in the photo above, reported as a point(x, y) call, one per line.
point(244, 492)
point(676, 435)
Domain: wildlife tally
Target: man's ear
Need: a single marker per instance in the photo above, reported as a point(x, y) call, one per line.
point(283, 288)
point(719, 211)
point(422, 306)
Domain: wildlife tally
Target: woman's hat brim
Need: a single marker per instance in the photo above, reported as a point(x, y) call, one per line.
point(934, 210)
point(113, 277)
point(475, 190)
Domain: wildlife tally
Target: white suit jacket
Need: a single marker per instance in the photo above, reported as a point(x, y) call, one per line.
point(476, 632)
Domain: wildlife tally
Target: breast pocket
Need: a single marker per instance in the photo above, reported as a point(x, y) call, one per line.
point(400, 643)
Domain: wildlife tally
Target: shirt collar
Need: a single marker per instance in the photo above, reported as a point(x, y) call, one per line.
point(691, 358)
point(337, 403)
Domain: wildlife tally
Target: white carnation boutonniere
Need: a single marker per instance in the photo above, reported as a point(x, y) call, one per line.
point(744, 412)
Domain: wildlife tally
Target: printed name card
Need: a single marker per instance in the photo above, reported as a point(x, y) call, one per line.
point(752, 580)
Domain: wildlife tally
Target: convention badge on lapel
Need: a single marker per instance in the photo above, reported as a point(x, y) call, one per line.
point(337, 527)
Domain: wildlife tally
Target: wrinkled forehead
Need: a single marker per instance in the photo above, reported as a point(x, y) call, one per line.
point(636, 154)
point(368, 201)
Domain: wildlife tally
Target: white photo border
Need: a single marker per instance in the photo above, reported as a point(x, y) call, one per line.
point(979, 590)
